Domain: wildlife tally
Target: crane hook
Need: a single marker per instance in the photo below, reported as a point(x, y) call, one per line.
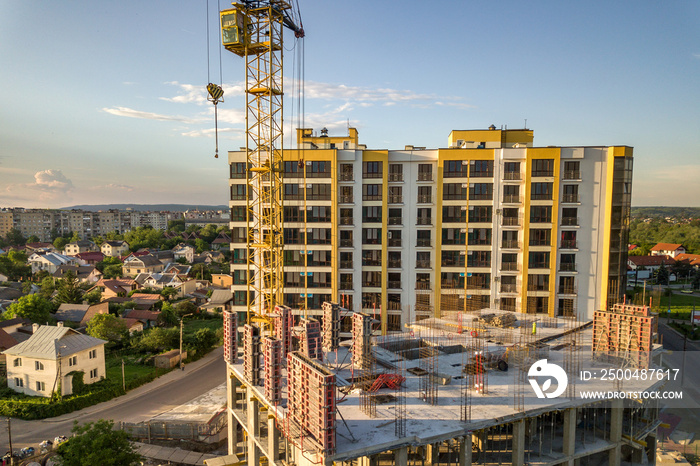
point(215, 95)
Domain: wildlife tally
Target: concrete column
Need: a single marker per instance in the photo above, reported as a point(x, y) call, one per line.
point(401, 456)
point(253, 452)
point(519, 443)
point(273, 439)
point(570, 434)
point(232, 433)
point(465, 450)
point(253, 429)
point(369, 461)
point(616, 410)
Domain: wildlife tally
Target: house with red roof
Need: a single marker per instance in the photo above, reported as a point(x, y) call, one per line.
point(692, 259)
point(90, 258)
point(667, 249)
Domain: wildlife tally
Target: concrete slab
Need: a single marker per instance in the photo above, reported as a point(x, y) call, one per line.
point(178, 455)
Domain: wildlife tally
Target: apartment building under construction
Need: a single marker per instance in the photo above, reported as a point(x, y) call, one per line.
point(491, 221)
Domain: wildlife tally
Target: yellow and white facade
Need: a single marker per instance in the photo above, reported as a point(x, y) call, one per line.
point(488, 222)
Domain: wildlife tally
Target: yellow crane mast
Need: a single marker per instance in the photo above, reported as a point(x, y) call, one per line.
point(254, 30)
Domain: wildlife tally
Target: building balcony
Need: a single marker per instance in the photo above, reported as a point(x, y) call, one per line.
point(371, 284)
point(395, 199)
point(512, 199)
point(509, 267)
point(372, 198)
point(481, 197)
point(423, 243)
point(346, 264)
point(394, 285)
point(568, 244)
point(347, 177)
point(425, 199)
point(512, 176)
point(569, 221)
point(572, 175)
point(346, 286)
point(425, 177)
point(538, 265)
point(346, 221)
point(371, 263)
point(511, 221)
point(569, 198)
point(372, 175)
point(346, 199)
point(510, 244)
point(395, 176)
point(394, 264)
point(567, 290)
point(422, 285)
point(424, 221)
point(422, 264)
point(395, 221)
point(536, 242)
point(395, 243)
point(346, 243)
point(456, 174)
point(567, 267)
point(478, 264)
point(481, 174)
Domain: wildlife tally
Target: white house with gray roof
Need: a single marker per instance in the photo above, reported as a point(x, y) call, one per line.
point(52, 355)
point(50, 261)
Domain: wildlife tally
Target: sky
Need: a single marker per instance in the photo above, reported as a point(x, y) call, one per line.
point(106, 102)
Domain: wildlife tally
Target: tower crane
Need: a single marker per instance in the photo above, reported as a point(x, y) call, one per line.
point(253, 30)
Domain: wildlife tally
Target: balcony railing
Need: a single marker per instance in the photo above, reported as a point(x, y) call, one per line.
point(453, 262)
point(452, 284)
point(572, 175)
point(345, 243)
point(346, 285)
point(395, 221)
point(481, 197)
point(346, 199)
point(345, 264)
point(372, 175)
point(569, 221)
point(541, 173)
point(346, 221)
point(422, 285)
point(569, 244)
point(567, 290)
point(346, 177)
point(371, 284)
point(570, 198)
point(509, 266)
point(536, 287)
point(371, 262)
point(567, 267)
point(478, 264)
point(425, 199)
point(425, 177)
point(511, 221)
point(394, 284)
point(423, 221)
point(423, 243)
point(510, 176)
point(455, 174)
point(539, 242)
point(372, 197)
point(395, 199)
point(371, 220)
point(509, 288)
point(395, 176)
point(482, 174)
point(512, 199)
point(510, 244)
point(538, 265)
point(395, 243)
point(541, 197)
point(422, 264)
point(394, 264)
point(478, 285)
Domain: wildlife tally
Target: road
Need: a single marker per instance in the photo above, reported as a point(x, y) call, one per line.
point(164, 393)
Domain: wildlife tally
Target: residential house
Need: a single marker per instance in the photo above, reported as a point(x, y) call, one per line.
point(80, 313)
point(180, 270)
point(145, 300)
point(183, 251)
point(692, 259)
point(644, 266)
point(51, 357)
point(667, 249)
point(219, 299)
point(149, 318)
point(158, 281)
point(135, 265)
point(50, 261)
point(133, 325)
point(222, 241)
point(114, 248)
point(115, 287)
point(7, 341)
point(85, 273)
point(209, 257)
point(39, 247)
point(91, 258)
point(223, 280)
point(165, 256)
point(72, 249)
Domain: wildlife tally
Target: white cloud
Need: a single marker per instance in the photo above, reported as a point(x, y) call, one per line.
point(48, 185)
point(120, 187)
point(209, 132)
point(131, 113)
point(190, 93)
point(52, 180)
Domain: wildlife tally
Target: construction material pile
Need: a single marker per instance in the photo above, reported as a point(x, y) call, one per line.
point(498, 320)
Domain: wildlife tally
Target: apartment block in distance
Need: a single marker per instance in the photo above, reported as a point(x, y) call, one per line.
point(491, 221)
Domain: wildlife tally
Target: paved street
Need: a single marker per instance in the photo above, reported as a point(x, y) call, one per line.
point(141, 404)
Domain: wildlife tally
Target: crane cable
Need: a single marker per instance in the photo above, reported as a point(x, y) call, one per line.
point(215, 93)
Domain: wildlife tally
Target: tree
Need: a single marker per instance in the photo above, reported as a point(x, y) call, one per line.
point(33, 239)
point(98, 443)
point(47, 287)
point(662, 275)
point(107, 327)
point(112, 271)
point(93, 297)
point(185, 307)
point(176, 225)
point(14, 237)
point(32, 307)
point(68, 289)
point(107, 261)
point(168, 292)
point(160, 339)
point(167, 316)
point(202, 340)
point(60, 243)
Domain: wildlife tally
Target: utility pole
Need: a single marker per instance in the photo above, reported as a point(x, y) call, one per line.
point(123, 378)
point(182, 320)
point(9, 434)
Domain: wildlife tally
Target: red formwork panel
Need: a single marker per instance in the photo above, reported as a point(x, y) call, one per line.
point(312, 400)
point(311, 343)
point(627, 331)
point(251, 354)
point(230, 337)
point(331, 326)
point(284, 321)
point(272, 357)
point(361, 338)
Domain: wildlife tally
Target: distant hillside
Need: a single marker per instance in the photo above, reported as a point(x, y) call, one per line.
point(145, 207)
point(663, 212)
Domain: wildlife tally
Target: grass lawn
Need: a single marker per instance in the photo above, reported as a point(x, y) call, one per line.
point(193, 325)
point(131, 370)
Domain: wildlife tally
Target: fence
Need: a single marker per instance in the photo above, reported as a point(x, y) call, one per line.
point(172, 430)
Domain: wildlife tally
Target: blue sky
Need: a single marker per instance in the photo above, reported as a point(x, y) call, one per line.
point(105, 102)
